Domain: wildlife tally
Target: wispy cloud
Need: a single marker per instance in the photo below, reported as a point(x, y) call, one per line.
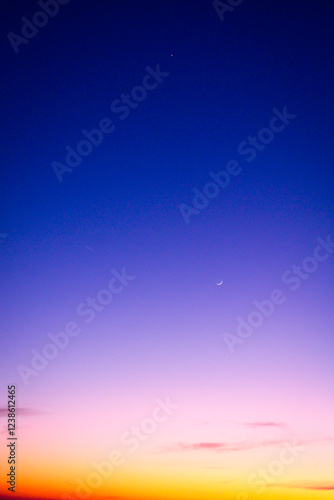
point(255, 425)
point(219, 446)
point(304, 485)
point(20, 411)
point(222, 446)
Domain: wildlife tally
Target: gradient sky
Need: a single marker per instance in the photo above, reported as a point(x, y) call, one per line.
point(163, 335)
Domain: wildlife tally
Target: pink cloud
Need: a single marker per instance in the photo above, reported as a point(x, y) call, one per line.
point(219, 446)
point(307, 486)
point(265, 424)
point(20, 411)
point(223, 446)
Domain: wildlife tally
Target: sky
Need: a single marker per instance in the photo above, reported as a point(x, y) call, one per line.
point(166, 249)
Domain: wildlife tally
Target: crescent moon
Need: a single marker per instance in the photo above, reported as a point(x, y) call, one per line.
point(220, 283)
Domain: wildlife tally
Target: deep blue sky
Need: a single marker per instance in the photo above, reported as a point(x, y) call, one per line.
point(224, 80)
